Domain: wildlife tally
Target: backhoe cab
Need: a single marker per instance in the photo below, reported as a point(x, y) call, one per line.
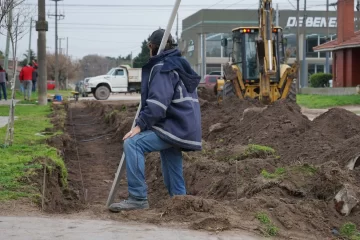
point(257, 67)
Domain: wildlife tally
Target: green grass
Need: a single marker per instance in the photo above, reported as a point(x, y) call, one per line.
point(305, 169)
point(16, 161)
point(270, 228)
point(258, 151)
point(278, 173)
point(349, 231)
point(34, 95)
point(322, 101)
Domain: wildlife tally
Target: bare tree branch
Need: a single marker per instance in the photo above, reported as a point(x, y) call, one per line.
point(6, 6)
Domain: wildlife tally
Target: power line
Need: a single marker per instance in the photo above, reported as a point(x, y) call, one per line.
point(236, 3)
point(216, 4)
point(291, 4)
point(147, 7)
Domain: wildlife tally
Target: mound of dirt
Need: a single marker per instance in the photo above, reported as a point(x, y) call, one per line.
point(338, 123)
point(227, 187)
point(207, 95)
point(58, 198)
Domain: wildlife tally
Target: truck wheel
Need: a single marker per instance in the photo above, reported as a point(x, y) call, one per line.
point(292, 93)
point(102, 93)
point(228, 90)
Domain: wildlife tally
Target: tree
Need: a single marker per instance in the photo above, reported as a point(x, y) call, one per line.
point(16, 28)
point(120, 60)
point(32, 58)
point(94, 65)
point(67, 68)
point(143, 56)
point(6, 6)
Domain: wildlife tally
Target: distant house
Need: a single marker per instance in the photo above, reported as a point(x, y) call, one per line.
point(346, 48)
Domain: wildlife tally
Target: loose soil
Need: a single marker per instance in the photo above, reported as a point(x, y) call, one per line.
point(226, 187)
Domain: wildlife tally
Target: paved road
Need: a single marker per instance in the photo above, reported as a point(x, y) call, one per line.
point(31, 228)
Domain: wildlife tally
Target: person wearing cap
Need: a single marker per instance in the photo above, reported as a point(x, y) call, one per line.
point(169, 122)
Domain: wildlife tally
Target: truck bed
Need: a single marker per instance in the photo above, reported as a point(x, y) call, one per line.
point(134, 74)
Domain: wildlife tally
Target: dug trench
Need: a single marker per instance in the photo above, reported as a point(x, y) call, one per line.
point(267, 170)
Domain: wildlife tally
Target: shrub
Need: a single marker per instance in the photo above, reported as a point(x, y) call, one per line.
point(319, 80)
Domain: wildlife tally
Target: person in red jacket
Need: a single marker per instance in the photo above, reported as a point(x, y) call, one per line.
point(25, 77)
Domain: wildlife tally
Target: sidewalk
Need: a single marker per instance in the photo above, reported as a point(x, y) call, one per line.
point(7, 103)
point(313, 113)
point(31, 228)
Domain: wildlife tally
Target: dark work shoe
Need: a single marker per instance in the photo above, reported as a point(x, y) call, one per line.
point(129, 204)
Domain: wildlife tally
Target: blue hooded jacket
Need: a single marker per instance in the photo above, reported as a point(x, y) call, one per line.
point(170, 105)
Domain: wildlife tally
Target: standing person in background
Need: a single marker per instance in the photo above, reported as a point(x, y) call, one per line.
point(25, 77)
point(3, 80)
point(34, 78)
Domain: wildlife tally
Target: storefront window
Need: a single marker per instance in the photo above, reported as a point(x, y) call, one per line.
point(311, 69)
point(214, 69)
point(213, 45)
point(311, 41)
point(322, 41)
point(291, 45)
point(319, 68)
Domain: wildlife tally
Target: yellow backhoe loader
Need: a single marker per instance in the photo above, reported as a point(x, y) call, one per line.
point(257, 68)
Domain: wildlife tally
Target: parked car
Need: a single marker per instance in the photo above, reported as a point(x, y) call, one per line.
point(209, 81)
point(50, 84)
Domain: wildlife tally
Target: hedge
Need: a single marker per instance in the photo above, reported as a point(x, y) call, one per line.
point(319, 80)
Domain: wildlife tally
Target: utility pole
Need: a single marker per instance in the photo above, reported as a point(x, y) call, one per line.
point(177, 29)
point(42, 28)
point(57, 17)
point(304, 63)
point(29, 51)
point(9, 27)
point(358, 14)
point(277, 15)
point(327, 56)
point(131, 59)
point(67, 67)
point(298, 44)
point(60, 48)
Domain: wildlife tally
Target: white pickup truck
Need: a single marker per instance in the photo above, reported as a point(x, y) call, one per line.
point(122, 79)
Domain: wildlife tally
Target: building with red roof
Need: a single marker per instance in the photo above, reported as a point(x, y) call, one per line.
point(345, 49)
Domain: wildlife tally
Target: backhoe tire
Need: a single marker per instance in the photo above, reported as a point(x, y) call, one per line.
point(292, 93)
point(228, 90)
point(102, 93)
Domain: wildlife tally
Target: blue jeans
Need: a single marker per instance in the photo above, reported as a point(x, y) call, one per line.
point(171, 164)
point(3, 89)
point(34, 86)
point(22, 90)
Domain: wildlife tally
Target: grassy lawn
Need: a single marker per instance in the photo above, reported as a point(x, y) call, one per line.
point(34, 97)
point(17, 161)
point(322, 101)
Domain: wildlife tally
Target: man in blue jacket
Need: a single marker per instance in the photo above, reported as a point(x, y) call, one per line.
point(169, 122)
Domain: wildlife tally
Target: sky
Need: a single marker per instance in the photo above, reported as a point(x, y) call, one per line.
point(113, 27)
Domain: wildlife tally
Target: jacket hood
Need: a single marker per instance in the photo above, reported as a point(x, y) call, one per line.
point(173, 61)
